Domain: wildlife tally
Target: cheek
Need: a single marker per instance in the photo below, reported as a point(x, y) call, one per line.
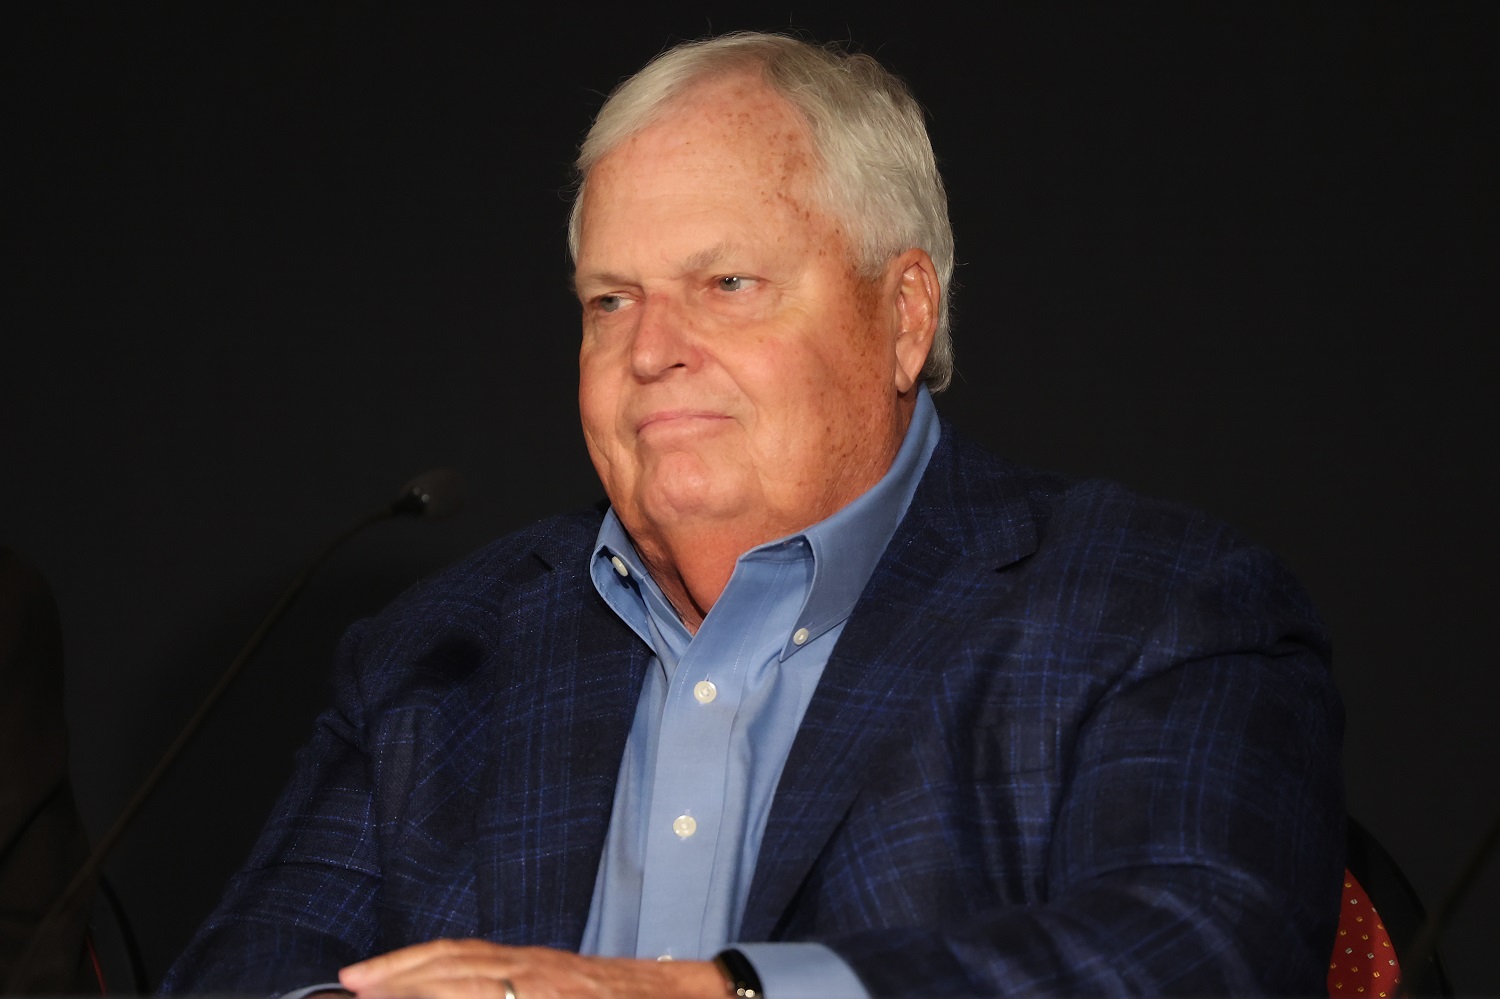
point(611, 461)
point(596, 399)
point(796, 399)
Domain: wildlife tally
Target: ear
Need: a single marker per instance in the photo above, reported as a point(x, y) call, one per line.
point(918, 295)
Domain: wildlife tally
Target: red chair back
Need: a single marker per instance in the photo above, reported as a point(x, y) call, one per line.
point(1364, 960)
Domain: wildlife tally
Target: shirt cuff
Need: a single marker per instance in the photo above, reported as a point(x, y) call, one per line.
point(802, 971)
point(314, 989)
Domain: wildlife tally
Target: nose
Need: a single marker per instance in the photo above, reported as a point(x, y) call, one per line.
point(662, 341)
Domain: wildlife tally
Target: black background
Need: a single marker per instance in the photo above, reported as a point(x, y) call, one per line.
point(262, 263)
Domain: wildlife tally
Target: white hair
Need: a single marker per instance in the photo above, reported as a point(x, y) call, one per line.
point(879, 176)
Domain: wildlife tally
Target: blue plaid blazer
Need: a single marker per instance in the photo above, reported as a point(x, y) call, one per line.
point(1071, 742)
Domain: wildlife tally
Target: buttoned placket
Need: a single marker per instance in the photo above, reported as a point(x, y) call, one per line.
point(707, 688)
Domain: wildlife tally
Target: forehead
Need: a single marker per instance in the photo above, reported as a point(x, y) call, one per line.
point(733, 138)
point(739, 112)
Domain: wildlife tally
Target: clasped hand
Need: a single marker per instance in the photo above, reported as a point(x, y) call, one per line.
point(478, 969)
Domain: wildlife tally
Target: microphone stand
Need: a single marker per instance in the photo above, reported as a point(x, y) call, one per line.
point(434, 494)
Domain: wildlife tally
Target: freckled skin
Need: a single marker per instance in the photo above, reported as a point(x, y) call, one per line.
point(739, 379)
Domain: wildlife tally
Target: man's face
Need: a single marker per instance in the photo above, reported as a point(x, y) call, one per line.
point(735, 367)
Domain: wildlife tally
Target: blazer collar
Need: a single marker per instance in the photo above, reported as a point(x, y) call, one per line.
point(971, 517)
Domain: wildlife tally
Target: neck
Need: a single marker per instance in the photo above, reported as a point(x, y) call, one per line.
point(693, 565)
point(693, 560)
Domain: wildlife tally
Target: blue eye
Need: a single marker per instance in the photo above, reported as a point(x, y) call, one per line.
point(733, 282)
point(609, 303)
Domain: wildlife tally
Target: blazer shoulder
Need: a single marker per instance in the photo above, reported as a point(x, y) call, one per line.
point(443, 628)
point(1096, 534)
point(1067, 511)
point(558, 543)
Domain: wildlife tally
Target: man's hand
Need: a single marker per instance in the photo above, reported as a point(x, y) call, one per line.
point(476, 969)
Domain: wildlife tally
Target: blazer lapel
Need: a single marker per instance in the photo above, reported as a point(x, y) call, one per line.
point(566, 690)
point(886, 663)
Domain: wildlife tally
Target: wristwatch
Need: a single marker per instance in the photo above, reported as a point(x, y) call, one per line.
point(739, 974)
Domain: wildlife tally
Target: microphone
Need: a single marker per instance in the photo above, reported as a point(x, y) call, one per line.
point(434, 494)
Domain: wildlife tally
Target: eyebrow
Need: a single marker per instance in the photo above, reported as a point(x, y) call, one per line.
point(698, 261)
point(704, 259)
point(597, 277)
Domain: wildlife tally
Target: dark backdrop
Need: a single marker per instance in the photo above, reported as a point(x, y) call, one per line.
point(263, 263)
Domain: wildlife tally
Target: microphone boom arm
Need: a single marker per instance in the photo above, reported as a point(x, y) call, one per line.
point(433, 494)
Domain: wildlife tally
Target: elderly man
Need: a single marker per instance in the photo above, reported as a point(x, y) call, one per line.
point(828, 702)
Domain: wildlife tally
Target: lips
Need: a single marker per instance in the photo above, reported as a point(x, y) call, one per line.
point(674, 419)
point(668, 425)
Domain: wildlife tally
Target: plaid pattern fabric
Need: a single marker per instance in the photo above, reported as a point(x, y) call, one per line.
point(1071, 742)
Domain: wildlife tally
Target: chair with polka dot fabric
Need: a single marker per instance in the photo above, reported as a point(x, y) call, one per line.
point(1381, 915)
point(1364, 961)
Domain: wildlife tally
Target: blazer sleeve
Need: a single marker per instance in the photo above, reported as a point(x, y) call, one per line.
point(1187, 834)
point(304, 904)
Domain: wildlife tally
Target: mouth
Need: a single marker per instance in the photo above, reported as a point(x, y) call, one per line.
point(678, 419)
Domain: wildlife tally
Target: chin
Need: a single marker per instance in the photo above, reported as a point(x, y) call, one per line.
point(696, 497)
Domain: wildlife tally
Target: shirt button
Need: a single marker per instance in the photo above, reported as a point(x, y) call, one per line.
point(799, 637)
point(684, 826)
point(705, 691)
point(614, 560)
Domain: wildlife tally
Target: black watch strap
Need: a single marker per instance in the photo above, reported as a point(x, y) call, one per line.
point(739, 974)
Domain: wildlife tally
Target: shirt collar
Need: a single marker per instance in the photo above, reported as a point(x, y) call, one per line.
point(845, 547)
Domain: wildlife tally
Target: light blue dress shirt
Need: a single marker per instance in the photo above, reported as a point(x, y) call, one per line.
point(716, 719)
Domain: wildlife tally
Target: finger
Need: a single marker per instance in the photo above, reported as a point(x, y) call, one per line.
point(415, 985)
point(409, 959)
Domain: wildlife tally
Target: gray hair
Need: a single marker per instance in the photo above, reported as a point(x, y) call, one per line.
point(879, 175)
